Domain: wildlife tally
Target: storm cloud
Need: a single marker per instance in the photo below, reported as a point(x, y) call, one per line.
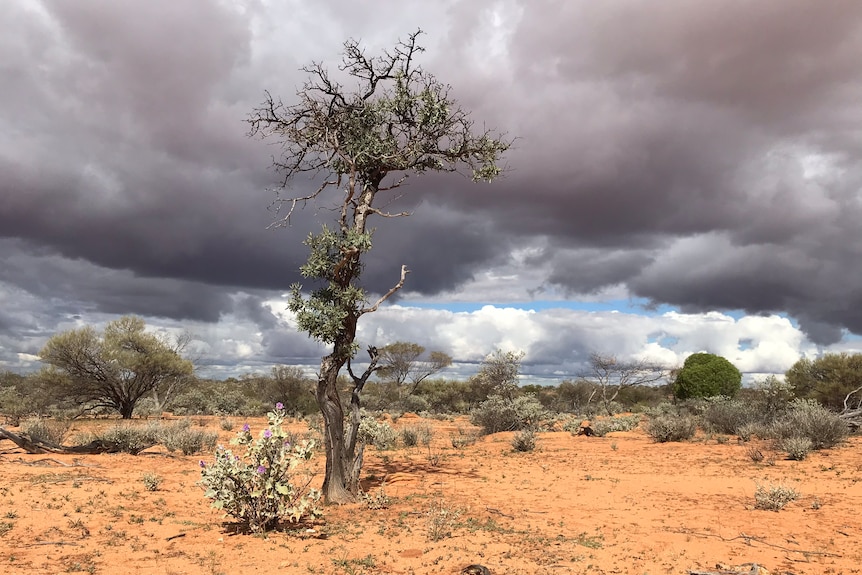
point(700, 155)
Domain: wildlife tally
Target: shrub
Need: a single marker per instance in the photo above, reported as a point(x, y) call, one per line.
point(464, 438)
point(498, 413)
point(725, 415)
point(226, 423)
point(181, 437)
point(773, 497)
point(262, 486)
point(664, 428)
point(602, 427)
point(416, 435)
point(807, 418)
point(49, 430)
point(797, 448)
point(377, 433)
point(749, 430)
point(524, 440)
point(442, 519)
point(707, 375)
point(129, 439)
point(151, 481)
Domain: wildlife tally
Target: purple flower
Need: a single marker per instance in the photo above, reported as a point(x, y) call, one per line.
point(267, 433)
point(279, 406)
point(261, 469)
point(246, 427)
point(203, 464)
point(287, 445)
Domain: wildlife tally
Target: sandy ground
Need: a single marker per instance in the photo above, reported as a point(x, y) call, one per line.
point(583, 505)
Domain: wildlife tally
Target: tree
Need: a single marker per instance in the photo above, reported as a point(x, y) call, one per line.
point(706, 375)
point(363, 142)
point(400, 362)
point(113, 370)
point(613, 375)
point(832, 379)
point(497, 376)
point(289, 385)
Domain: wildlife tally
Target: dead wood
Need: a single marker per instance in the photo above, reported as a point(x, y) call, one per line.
point(39, 446)
point(749, 569)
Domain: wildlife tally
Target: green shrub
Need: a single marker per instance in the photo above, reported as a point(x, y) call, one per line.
point(726, 415)
point(707, 375)
point(602, 427)
point(524, 440)
point(797, 448)
point(181, 437)
point(773, 497)
point(376, 433)
point(416, 435)
point(498, 413)
point(807, 418)
point(129, 438)
point(49, 430)
point(262, 486)
point(664, 428)
point(152, 481)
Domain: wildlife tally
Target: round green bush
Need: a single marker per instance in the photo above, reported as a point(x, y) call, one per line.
point(707, 375)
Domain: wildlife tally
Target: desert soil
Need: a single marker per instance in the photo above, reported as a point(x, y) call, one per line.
point(582, 505)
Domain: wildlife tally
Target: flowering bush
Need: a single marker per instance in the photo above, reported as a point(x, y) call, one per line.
point(262, 486)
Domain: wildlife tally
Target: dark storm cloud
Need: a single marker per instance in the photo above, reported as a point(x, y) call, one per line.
point(700, 153)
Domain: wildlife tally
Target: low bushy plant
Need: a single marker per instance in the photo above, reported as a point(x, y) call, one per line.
point(524, 440)
point(726, 415)
point(152, 481)
point(49, 430)
point(797, 448)
point(498, 413)
point(664, 428)
point(129, 438)
point(263, 485)
point(807, 418)
point(774, 497)
point(416, 435)
point(463, 438)
point(181, 437)
point(602, 427)
point(377, 433)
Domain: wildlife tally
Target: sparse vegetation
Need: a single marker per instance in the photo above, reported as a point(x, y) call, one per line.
point(524, 440)
point(664, 428)
point(774, 497)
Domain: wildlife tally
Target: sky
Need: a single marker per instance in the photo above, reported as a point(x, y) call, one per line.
point(685, 177)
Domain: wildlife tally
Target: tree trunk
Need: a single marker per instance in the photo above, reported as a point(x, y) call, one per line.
point(335, 484)
point(126, 409)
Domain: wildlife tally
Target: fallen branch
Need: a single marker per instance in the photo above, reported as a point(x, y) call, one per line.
point(749, 538)
point(177, 536)
point(40, 447)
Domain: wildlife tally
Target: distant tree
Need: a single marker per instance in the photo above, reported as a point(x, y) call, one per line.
point(363, 142)
point(498, 375)
point(613, 375)
point(112, 370)
point(706, 375)
point(403, 363)
point(290, 386)
point(830, 379)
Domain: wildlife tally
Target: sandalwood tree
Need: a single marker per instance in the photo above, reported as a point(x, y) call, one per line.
point(361, 141)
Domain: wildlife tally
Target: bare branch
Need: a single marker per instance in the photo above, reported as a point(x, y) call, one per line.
point(387, 295)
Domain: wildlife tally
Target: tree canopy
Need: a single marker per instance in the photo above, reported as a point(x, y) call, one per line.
point(829, 379)
point(114, 369)
point(707, 375)
point(361, 142)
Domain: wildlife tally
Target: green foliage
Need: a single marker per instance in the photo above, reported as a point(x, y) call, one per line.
point(774, 497)
point(152, 481)
point(726, 415)
point(499, 413)
point(130, 438)
point(797, 448)
point(497, 376)
point(262, 486)
point(180, 437)
point(50, 430)
point(524, 440)
point(377, 433)
point(809, 419)
point(665, 428)
point(827, 379)
point(114, 369)
point(602, 427)
point(707, 375)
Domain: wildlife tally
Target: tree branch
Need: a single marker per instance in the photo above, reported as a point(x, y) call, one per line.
point(387, 295)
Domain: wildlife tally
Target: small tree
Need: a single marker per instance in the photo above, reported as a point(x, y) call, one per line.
point(112, 370)
point(832, 379)
point(363, 142)
point(613, 375)
point(707, 375)
point(498, 376)
point(402, 362)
